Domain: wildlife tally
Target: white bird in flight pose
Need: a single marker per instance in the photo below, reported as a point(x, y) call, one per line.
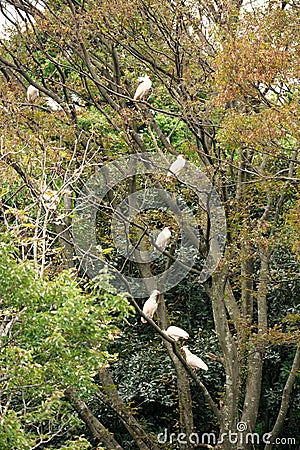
point(163, 238)
point(176, 333)
point(32, 94)
point(193, 361)
point(176, 167)
point(143, 88)
point(150, 306)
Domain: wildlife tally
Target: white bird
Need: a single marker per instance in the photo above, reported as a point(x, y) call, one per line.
point(150, 306)
point(163, 238)
point(192, 360)
point(176, 333)
point(176, 167)
point(53, 105)
point(32, 94)
point(143, 88)
point(51, 199)
point(77, 101)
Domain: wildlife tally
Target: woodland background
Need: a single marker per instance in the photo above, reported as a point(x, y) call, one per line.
point(78, 368)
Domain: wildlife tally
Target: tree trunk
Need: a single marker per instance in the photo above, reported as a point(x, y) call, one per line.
point(229, 409)
point(183, 383)
point(285, 399)
point(110, 396)
point(256, 351)
point(98, 431)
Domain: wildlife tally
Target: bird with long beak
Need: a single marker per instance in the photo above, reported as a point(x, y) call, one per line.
point(192, 360)
point(150, 306)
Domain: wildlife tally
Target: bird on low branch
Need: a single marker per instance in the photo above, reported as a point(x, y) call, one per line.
point(176, 167)
point(163, 238)
point(143, 88)
point(176, 333)
point(193, 361)
point(53, 105)
point(32, 94)
point(150, 306)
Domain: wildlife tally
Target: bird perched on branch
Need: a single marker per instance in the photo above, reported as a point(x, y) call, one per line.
point(51, 199)
point(150, 306)
point(53, 105)
point(32, 94)
point(176, 333)
point(163, 238)
point(193, 361)
point(143, 88)
point(176, 167)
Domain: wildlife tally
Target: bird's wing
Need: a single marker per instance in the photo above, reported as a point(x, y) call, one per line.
point(178, 332)
point(171, 170)
point(149, 306)
point(177, 166)
point(201, 364)
point(174, 168)
point(139, 91)
point(159, 239)
point(146, 307)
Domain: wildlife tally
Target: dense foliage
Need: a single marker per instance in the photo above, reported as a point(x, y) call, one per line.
point(225, 94)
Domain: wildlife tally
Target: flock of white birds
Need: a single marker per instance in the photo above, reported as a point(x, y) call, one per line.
point(162, 240)
point(175, 333)
point(51, 201)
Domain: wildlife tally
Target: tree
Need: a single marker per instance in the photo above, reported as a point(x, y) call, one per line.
point(53, 336)
point(225, 94)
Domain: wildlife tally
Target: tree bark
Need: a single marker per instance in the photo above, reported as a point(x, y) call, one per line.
point(110, 396)
point(255, 358)
point(247, 270)
point(183, 383)
point(96, 428)
point(285, 399)
point(229, 409)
